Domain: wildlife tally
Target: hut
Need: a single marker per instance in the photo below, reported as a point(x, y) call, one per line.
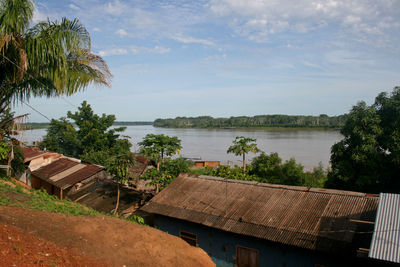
point(242, 223)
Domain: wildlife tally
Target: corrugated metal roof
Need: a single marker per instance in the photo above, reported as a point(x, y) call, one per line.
point(385, 243)
point(31, 153)
point(66, 172)
point(316, 219)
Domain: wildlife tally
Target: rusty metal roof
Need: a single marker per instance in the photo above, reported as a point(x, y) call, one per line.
point(385, 243)
point(66, 172)
point(311, 218)
point(31, 153)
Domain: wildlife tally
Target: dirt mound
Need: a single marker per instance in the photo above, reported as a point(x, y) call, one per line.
point(19, 248)
point(99, 239)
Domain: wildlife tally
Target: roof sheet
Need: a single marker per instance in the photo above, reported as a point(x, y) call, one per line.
point(385, 243)
point(316, 219)
point(31, 153)
point(66, 172)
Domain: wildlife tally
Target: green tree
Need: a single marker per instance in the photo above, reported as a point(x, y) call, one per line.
point(156, 146)
point(368, 157)
point(118, 167)
point(270, 169)
point(241, 146)
point(92, 141)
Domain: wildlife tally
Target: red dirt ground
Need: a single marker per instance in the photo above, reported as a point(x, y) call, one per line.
point(39, 238)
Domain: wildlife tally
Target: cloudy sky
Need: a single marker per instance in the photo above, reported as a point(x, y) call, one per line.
point(232, 57)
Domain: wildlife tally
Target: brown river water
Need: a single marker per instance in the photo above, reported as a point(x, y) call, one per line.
point(308, 147)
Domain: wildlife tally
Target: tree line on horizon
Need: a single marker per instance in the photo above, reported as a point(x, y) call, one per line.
point(321, 121)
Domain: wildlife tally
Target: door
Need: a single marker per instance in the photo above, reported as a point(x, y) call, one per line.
point(246, 257)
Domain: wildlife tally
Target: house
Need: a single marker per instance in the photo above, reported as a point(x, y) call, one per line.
point(242, 223)
point(35, 158)
point(205, 163)
point(385, 245)
point(65, 176)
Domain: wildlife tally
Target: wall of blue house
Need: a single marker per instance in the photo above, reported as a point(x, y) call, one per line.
point(221, 246)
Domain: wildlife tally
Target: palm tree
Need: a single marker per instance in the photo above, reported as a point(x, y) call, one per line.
point(242, 146)
point(48, 59)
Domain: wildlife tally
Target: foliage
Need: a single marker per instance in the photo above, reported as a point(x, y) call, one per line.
point(40, 200)
point(270, 169)
point(158, 178)
point(316, 178)
point(136, 219)
point(257, 121)
point(168, 172)
point(62, 138)
point(92, 141)
point(156, 146)
point(119, 167)
point(368, 158)
point(18, 196)
point(176, 166)
point(10, 152)
point(48, 59)
point(4, 150)
point(235, 173)
point(241, 146)
point(17, 164)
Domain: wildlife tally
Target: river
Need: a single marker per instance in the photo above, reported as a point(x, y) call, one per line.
point(308, 147)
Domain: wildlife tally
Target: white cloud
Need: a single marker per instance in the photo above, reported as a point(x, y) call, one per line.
point(113, 52)
point(192, 40)
point(38, 16)
point(258, 19)
point(115, 8)
point(133, 50)
point(121, 33)
point(72, 6)
point(95, 29)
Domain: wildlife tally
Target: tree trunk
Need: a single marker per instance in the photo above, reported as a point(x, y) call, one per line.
point(158, 165)
point(116, 206)
point(244, 163)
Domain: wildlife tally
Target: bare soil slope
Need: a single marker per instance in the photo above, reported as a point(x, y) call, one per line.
point(90, 241)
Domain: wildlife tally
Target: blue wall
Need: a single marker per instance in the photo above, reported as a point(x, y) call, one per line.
point(221, 246)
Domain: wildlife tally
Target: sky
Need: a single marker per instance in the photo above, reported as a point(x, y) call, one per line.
point(227, 58)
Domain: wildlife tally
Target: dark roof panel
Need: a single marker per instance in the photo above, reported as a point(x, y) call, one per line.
point(66, 172)
point(54, 168)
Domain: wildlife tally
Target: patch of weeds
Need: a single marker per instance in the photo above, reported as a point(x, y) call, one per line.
point(43, 201)
point(4, 201)
point(136, 219)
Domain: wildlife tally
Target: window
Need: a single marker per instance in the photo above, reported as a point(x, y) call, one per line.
point(247, 257)
point(189, 237)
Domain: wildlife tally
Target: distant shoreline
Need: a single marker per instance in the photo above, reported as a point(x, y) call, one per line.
point(322, 121)
point(277, 128)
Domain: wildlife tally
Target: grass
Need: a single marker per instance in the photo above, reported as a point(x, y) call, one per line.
point(17, 196)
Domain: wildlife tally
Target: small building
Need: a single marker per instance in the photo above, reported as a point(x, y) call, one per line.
point(35, 158)
point(242, 223)
point(65, 176)
point(206, 163)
